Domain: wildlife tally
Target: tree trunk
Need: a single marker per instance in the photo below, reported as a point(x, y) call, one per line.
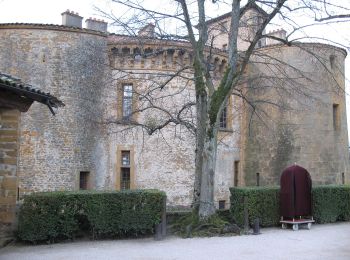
point(201, 104)
point(206, 206)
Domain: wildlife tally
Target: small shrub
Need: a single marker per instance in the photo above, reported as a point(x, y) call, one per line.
point(54, 216)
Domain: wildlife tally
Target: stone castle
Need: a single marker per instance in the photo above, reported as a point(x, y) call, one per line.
point(106, 81)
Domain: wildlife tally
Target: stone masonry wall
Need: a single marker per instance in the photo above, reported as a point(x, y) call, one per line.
point(296, 122)
point(165, 159)
point(71, 65)
point(9, 120)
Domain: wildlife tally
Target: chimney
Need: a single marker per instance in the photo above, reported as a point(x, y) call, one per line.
point(147, 31)
point(96, 24)
point(69, 18)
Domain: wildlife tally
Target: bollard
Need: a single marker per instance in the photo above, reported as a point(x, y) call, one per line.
point(256, 228)
point(158, 232)
point(246, 216)
point(160, 229)
point(164, 222)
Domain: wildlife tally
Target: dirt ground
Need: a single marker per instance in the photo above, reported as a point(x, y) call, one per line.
point(330, 241)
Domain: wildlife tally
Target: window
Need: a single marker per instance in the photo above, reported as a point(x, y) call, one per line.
point(126, 158)
point(255, 20)
point(236, 171)
point(125, 175)
point(125, 170)
point(259, 44)
point(83, 180)
point(223, 118)
point(127, 101)
point(332, 61)
point(223, 27)
point(336, 118)
point(222, 204)
point(125, 179)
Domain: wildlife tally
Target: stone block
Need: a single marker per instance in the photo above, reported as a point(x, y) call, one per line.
point(10, 161)
point(10, 200)
point(7, 217)
point(8, 125)
point(9, 112)
point(10, 153)
point(4, 132)
point(8, 139)
point(9, 183)
point(8, 146)
point(9, 118)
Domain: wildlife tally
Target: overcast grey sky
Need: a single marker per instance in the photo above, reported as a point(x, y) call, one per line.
point(49, 12)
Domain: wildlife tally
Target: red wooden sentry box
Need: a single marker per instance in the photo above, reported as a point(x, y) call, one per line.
point(295, 193)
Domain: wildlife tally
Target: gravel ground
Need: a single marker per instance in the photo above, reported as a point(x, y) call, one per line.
point(330, 241)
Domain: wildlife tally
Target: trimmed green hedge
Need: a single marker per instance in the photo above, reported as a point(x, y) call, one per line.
point(55, 216)
point(330, 203)
point(262, 203)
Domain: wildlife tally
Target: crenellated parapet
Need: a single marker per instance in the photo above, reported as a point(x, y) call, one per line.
point(139, 53)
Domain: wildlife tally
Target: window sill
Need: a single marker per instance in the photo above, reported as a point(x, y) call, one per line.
point(227, 130)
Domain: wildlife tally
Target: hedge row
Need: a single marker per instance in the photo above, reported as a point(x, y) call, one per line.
point(330, 203)
point(54, 216)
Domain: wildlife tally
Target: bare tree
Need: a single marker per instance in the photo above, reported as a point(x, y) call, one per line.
point(200, 114)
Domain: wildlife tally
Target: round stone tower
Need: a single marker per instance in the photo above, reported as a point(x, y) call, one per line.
point(70, 63)
point(299, 95)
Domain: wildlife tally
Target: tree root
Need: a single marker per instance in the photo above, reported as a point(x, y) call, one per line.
point(190, 226)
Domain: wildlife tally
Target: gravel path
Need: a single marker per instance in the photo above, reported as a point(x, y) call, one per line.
point(330, 241)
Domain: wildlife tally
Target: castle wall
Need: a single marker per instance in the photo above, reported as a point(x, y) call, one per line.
point(165, 159)
point(303, 119)
point(71, 65)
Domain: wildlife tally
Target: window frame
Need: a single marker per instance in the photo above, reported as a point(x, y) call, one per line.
point(85, 175)
point(127, 101)
point(121, 101)
point(120, 167)
point(227, 111)
point(336, 116)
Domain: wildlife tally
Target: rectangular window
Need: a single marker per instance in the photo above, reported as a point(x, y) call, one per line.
point(259, 44)
point(236, 171)
point(222, 204)
point(223, 118)
point(223, 27)
point(125, 179)
point(127, 101)
point(125, 170)
point(126, 158)
point(336, 119)
point(83, 180)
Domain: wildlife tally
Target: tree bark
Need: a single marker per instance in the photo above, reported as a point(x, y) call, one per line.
point(207, 207)
point(201, 104)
